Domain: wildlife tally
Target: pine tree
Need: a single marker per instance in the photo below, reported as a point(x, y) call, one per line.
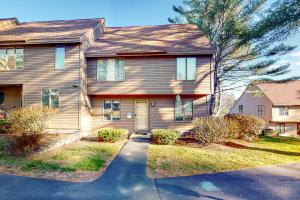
point(248, 37)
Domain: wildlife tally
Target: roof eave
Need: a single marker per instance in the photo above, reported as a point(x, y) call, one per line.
point(150, 53)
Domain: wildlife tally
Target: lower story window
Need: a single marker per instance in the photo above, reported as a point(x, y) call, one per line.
point(183, 110)
point(280, 127)
point(50, 98)
point(2, 96)
point(111, 109)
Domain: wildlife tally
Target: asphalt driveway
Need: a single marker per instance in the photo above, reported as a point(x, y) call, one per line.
point(126, 178)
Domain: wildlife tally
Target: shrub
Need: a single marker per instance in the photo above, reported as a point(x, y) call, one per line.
point(249, 126)
point(30, 120)
point(211, 129)
point(112, 135)
point(164, 136)
point(26, 143)
point(4, 126)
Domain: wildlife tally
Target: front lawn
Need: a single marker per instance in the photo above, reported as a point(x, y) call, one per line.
point(82, 160)
point(178, 160)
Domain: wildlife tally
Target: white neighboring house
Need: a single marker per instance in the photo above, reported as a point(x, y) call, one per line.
point(277, 104)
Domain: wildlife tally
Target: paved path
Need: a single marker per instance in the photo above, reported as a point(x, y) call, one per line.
point(126, 178)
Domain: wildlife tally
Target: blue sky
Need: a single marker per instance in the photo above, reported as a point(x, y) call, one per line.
point(116, 13)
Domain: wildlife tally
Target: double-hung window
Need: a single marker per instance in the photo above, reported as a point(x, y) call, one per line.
point(183, 110)
point(260, 109)
point(11, 59)
point(60, 57)
point(283, 111)
point(111, 110)
point(111, 70)
point(186, 68)
point(50, 98)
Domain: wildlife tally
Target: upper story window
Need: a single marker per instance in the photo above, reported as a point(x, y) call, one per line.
point(60, 57)
point(186, 69)
point(260, 109)
point(283, 111)
point(50, 98)
point(183, 110)
point(2, 97)
point(111, 110)
point(111, 70)
point(11, 59)
point(241, 109)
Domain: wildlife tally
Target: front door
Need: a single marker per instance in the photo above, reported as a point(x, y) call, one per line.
point(141, 115)
point(298, 128)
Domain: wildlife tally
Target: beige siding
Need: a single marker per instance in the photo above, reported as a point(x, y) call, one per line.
point(39, 73)
point(294, 114)
point(250, 104)
point(12, 97)
point(160, 116)
point(290, 128)
point(152, 75)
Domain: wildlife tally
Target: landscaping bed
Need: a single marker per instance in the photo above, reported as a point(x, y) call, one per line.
point(188, 158)
point(80, 161)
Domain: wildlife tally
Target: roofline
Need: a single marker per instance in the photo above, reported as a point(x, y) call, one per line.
point(149, 53)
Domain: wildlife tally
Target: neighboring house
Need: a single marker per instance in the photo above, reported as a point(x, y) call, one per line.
point(138, 78)
point(277, 104)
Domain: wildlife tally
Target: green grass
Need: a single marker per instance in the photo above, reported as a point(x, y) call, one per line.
point(215, 158)
point(79, 156)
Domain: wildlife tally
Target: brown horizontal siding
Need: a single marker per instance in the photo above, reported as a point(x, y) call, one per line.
point(160, 116)
point(39, 73)
point(154, 75)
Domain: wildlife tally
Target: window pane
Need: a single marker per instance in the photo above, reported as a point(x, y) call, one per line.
point(286, 111)
point(191, 68)
point(178, 111)
point(115, 115)
point(111, 70)
point(2, 96)
point(101, 70)
point(241, 109)
point(11, 59)
point(45, 97)
point(19, 58)
point(107, 109)
point(181, 73)
point(2, 59)
point(188, 110)
point(54, 98)
point(120, 70)
point(60, 57)
point(115, 105)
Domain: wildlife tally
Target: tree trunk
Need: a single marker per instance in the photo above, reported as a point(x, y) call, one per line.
point(215, 97)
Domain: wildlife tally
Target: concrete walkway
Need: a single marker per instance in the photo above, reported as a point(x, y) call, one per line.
point(126, 178)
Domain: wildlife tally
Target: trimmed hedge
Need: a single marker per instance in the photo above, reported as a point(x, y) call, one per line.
point(112, 134)
point(164, 136)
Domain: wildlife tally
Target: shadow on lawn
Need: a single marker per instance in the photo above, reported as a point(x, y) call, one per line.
point(239, 146)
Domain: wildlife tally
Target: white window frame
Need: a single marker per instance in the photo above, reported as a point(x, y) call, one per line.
point(183, 102)
point(111, 109)
point(283, 110)
point(261, 108)
point(115, 68)
point(50, 100)
point(15, 55)
point(186, 69)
